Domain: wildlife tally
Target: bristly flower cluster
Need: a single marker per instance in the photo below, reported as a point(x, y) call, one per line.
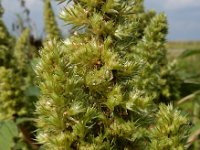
point(16, 74)
point(102, 88)
point(51, 27)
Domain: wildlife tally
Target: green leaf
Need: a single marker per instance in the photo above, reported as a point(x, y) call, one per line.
point(62, 1)
point(32, 91)
point(22, 120)
point(188, 88)
point(8, 130)
point(188, 53)
point(188, 97)
point(196, 127)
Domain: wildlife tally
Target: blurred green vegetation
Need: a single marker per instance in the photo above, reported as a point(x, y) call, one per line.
point(187, 55)
point(183, 45)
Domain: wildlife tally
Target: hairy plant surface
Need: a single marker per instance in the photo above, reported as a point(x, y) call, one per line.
point(109, 85)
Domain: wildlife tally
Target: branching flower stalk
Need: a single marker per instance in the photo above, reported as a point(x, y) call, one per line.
point(103, 88)
point(5, 40)
point(16, 82)
point(51, 27)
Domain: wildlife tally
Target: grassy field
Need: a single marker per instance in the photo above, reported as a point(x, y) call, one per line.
point(175, 48)
point(183, 45)
point(191, 63)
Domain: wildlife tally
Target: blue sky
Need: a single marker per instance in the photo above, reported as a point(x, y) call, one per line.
point(183, 16)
